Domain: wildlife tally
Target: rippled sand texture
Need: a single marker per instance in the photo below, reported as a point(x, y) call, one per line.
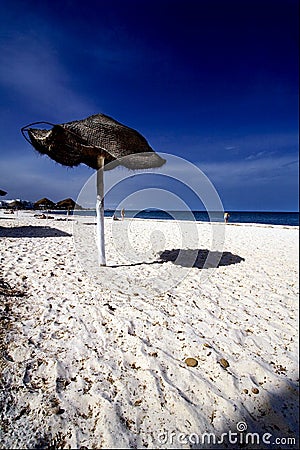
point(98, 360)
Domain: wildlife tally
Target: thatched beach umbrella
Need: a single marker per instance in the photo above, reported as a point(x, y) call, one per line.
point(2, 192)
point(67, 203)
point(17, 204)
point(95, 141)
point(44, 203)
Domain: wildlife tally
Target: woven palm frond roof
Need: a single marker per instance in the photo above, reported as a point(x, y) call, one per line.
point(44, 202)
point(67, 203)
point(83, 141)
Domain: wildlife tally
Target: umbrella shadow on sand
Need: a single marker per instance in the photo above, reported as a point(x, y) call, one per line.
point(192, 258)
point(32, 232)
point(197, 257)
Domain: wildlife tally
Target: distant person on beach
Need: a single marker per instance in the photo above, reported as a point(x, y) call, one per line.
point(115, 217)
point(226, 217)
point(123, 213)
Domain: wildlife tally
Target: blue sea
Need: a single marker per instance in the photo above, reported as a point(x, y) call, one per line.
point(271, 218)
point(268, 218)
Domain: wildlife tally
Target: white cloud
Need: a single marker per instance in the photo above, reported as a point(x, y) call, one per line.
point(252, 171)
point(34, 177)
point(34, 71)
point(258, 155)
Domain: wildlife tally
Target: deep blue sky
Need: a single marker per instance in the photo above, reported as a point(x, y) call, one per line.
point(213, 81)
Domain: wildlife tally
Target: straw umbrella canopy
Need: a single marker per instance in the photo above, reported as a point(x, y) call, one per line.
point(95, 141)
point(17, 204)
point(67, 203)
point(2, 192)
point(44, 203)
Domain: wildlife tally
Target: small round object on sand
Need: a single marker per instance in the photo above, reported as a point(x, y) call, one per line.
point(191, 362)
point(224, 363)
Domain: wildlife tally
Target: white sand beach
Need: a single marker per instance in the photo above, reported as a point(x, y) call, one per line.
point(97, 358)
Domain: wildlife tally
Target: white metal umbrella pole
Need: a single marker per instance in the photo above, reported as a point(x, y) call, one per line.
point(100, 212)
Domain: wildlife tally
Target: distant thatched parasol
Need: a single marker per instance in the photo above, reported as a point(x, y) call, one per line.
point(95, 141)
point(17, 204)
point(67, 203)
point(44, 203)
point(2, 192)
